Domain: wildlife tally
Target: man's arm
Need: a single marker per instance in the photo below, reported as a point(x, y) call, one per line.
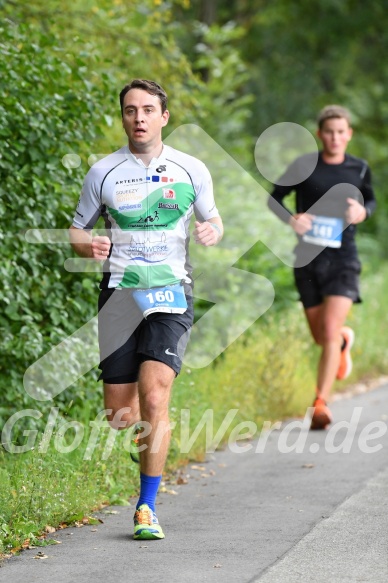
point(368, 194)
point(208, 229)
point(209, 232)
point(87, 246)
point(358, 212)
point(300, 222)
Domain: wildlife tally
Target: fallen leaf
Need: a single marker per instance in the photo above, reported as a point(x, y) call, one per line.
point(49, 529)
point(200, 468)
point(40, 555)
point(217, 566)
point(168, 491)
point(181, 480)
point(308, 466)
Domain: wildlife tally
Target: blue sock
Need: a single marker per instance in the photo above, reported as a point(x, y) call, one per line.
point(148, 489)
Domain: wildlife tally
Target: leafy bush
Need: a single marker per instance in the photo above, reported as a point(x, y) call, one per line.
point(49, 108)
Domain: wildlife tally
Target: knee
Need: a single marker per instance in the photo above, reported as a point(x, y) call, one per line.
point(120, 418)
point(154, 402)
point(331, 334)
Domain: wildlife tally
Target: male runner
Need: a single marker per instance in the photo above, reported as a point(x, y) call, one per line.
point(330, 202)
point(146, 192)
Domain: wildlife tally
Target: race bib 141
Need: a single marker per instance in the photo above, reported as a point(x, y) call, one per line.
point(326, 231)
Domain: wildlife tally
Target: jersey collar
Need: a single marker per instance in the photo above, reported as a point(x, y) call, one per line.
point(154, 161)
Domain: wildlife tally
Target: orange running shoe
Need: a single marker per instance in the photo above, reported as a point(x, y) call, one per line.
point(321, 416)
point(346, 364)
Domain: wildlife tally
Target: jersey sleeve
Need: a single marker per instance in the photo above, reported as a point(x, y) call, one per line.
point(282, 188)
point(368, 193)
point(89, 205)
point(204, 204)
point(292, 180)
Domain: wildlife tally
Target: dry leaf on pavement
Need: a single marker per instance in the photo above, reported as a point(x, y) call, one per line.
point(40, 555)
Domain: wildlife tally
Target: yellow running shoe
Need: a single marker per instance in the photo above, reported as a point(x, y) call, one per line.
point(147, 526)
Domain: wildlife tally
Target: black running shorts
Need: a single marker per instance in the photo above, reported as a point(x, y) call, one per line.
point(328, 276)
point(127, 339)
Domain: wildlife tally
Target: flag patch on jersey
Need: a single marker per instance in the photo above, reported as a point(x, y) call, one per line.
point(155, 178)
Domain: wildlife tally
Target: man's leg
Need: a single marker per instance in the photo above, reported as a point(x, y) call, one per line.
point(314, 318)
point(327, 321)
point(155, 382)
point(123, 400)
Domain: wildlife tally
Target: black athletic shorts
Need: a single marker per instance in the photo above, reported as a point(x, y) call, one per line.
point(328, 276)
point(127, 339)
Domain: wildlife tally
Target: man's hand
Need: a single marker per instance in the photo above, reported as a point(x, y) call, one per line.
point(100, 247)
point(206, 233)
point(301, 223)
point(356, 212)
point(87, 246)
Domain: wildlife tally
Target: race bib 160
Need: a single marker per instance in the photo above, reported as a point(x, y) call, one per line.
point(170, 299)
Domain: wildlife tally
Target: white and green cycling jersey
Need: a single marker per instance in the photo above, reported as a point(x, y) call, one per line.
point(147, 212)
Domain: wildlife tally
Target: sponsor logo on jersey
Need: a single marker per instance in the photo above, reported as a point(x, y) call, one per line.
point(77, 211)
point(155, 178)
point(148, 250)
point(150, 219)
point(131, 181)
point(169, 193)
point(128, 195)
point(161, 168)
point(169, 206)
point(130, 207)
point(127, 191)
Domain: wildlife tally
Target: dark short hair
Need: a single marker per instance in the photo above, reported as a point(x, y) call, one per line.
point(150, 86)
point(333, 111)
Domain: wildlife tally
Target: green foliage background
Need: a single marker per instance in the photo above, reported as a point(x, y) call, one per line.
point(48, 108)
point(231, 67)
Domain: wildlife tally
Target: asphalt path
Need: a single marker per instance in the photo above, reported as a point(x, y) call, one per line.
point(296, 506)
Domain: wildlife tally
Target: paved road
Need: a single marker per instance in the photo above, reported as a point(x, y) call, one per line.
point(316, 515)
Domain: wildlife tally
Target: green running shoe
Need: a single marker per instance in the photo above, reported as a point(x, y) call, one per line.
point(147, 526)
